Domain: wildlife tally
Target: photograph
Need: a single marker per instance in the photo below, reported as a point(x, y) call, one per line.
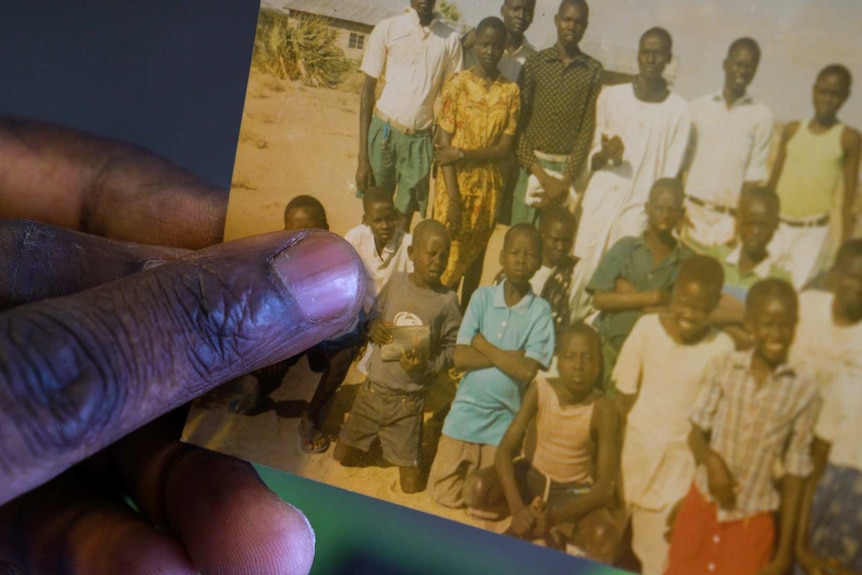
point(613, 261)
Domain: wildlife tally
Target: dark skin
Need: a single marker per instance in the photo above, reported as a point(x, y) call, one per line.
point(517, 16)
point(571, 22)
point(847, 304)
point(579, 360)
point(382, 218)
point(664, 210)
point(520, 259)
point(739, 69)
point(429, 254)
point(829, 94)
point(200, 511)
point(649, 86)
point(687, 323)
point(756, 222)
point(557, 240)
point(772, 328)
point(488, 47)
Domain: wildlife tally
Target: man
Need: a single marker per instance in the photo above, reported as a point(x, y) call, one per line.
point(418, 51)
point(517, 17)
point(559, 88)
point(731, 133)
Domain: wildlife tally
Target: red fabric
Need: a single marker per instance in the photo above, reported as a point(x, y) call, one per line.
point(701, 545)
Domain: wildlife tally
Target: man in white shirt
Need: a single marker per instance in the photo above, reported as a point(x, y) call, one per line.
point(730, 138)
point(417, 51)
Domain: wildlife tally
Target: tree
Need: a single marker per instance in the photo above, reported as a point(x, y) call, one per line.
point(449, 11)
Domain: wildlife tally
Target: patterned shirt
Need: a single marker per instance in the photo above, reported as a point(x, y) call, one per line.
point(558, 107)
point(754, 429)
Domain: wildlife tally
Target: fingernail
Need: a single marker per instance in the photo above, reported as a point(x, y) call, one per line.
point(323, 274)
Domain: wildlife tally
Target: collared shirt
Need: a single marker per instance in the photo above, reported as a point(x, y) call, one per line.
point(754, 428)
point(737, 284)
point(487, 399)
point(510, 64)
point(729, 146)
point(666, 376)
point(416, 60)
point(379, 267)
point(630, 259)
point(558, 107)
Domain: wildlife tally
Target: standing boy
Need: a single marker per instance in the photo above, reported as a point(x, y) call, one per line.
point(417, 51)
point(559, 87)
point(755, 412)
point(638, 273)
point(815, 158)
point(658, 379)
point(390, 404)
point(731, 133)
point(506, 337)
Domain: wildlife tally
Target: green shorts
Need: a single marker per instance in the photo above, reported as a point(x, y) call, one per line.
point(401, 163)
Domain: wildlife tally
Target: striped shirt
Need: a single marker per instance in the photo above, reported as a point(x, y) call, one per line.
point(755, 428)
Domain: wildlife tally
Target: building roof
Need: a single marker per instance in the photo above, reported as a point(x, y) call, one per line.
point(359, 11)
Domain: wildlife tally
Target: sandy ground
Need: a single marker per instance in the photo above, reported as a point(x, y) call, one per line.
point(299, 140)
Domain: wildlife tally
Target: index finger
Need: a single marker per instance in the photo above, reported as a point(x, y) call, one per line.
point(79, 372)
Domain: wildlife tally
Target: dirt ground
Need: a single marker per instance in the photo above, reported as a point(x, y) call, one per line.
point(300, 140)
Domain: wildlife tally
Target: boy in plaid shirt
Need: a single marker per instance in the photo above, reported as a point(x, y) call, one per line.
point(754, 412)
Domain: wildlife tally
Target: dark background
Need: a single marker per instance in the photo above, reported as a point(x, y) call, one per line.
point(170, 75)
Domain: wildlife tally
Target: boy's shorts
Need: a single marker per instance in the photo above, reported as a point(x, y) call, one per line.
point(401, 161)
point(703, 544)
point(534, 483)
point(395, 418)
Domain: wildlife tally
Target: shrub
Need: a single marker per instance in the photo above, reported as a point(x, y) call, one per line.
point(299, 48)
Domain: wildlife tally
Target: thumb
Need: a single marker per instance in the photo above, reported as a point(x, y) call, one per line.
point(79, 372)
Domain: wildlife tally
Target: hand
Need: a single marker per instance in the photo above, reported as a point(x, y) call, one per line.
point(659, 298)
point(522, 522)
point(171, 325)
point(444, 155)
point(478, 342)
point(380, 332)
point(612, 150)
point(722, 485)
point(556, 190)
point(776, 567)
point(811, 563)
point(453, 218)
point(541, 516)
point(415, 359)
point(364, 176)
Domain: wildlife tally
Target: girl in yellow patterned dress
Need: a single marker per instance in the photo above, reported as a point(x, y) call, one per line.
point(476, 128)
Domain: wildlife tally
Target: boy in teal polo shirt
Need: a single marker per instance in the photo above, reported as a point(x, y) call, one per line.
point(637, 274)
point(506, 336)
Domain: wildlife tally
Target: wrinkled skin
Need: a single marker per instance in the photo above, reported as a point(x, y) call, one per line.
point(100, 339)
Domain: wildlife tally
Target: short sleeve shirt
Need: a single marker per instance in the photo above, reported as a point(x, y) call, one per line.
point(487, 399)
point(416, 61)
point(630, 259)
point(737, 284)
point(379, 267)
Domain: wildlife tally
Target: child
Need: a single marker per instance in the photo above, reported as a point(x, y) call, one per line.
point(506, 337)
point(638, 273)
point(750, 260)
point(389, 405)
point(814, 159)
point(830, 336)
point(305, 212)
point(560, 280)
point(381, 245)
point(657, 376)
point(753, 413)
point(564, 489)
point(476, 128)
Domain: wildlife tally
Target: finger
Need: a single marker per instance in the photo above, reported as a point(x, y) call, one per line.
point(83, 182)
point(70, 525)
point(38, 261)
point(78, 372)
point(233, 525)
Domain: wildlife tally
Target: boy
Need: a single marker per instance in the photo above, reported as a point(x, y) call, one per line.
point(750, 260)
point(638, 273)
point(389, 405)
point(814, 159)
point(381, 245)
point(754, 412)
point(560, 280)
point(657, 376)
point(418, 51)
point(564, 489)
point(506, 337)
point(517, 17)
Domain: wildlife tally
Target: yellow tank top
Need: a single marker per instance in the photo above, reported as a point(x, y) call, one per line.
point(812, 170)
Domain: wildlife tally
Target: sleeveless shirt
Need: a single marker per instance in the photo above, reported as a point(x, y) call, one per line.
point(813, 167)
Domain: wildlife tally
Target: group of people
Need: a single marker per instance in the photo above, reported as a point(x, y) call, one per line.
point(647, 361)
